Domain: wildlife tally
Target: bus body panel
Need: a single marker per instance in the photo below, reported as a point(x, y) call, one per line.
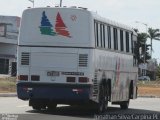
point(59, 93)
point(55, 27)
point(119, 69)
point(57, 52)
point(66, 61)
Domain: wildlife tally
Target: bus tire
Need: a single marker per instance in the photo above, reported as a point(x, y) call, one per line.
point(52, 106)
point(103, 98)
point(37, 104)
point(124, 105)
point(36, 107)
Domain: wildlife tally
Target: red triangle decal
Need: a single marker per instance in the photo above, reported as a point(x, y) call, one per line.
point(61, 27)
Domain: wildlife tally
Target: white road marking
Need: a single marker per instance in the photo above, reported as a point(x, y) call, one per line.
point(21, 106)
point(59, 105)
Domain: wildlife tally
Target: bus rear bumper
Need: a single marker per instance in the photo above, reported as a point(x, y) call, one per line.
point(55, 92)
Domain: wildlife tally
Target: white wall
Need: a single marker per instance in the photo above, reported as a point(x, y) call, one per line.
point(8, 49)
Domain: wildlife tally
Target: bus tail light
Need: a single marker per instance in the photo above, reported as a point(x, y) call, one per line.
point(77, 90)
point(83, 79)
point(71, 79)
point(35, 78)
point(23, 77)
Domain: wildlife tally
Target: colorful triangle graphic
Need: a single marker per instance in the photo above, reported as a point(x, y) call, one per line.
point(46, 26)
point(60, 27)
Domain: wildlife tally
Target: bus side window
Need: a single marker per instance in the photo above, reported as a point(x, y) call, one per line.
point(135, 61)
point(96, 33)
point(109, 36)
point(115, 38)
point(99, 35)
point(121, 40)
point(130, 42)
point(127, 41)
point(106, 36)
point(103, 36)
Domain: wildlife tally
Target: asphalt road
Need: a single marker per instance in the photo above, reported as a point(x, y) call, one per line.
point(144, 108)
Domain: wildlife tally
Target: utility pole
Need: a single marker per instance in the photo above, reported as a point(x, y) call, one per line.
point(144, 62)
point(32, 1)
point(60, 3)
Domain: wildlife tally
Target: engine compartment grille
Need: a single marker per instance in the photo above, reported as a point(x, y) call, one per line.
point(25, 58)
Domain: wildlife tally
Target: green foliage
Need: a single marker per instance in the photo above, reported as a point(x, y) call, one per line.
point(143, 47)
point(153, 34)
point(158, 71)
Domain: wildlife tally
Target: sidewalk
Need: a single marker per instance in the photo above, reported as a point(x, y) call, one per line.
point(4, 76)
point(8, 94)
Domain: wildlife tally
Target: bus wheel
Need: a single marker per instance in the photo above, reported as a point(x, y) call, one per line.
point(52, 106)
point(103, 99)
point(124, 105)
point(36, 107)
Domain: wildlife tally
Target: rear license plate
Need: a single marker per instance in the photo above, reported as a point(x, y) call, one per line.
point(52, 73)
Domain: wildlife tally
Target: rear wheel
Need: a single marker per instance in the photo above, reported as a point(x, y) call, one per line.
point(103, 98)
point(52, 106)
point(124, 105)
point(36, 107)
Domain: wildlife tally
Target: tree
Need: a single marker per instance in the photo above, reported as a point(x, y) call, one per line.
point(142, 47)
point(153, 34)
point(158, 71)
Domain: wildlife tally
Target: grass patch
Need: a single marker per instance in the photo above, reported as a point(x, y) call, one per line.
point(149, 88)
point(149, 83)
point(7, 84)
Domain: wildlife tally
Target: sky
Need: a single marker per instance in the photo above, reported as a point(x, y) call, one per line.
point(122, 11)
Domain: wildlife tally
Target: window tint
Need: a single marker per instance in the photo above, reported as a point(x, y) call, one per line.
point(103, 36)
point(109, 36)
point(99, 35)
point(115, 38)
point(121, 40)
point(96, 33)
point(127, 42)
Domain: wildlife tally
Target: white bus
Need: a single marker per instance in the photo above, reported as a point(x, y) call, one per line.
point(74, 56)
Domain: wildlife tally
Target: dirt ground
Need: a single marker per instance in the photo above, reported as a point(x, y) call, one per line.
point(7, 84)
point(151, 88)
point(149, 91)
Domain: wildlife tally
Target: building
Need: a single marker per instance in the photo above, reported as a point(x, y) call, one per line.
point(9, 28)
point(148, 69)
point(152, 68)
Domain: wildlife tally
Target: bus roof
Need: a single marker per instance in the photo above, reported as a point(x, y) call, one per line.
point(61, 27)
point(95, 16)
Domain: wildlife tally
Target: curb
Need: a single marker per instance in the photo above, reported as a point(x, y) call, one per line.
point(8, 94)
point(148, 97)
point(15, 95)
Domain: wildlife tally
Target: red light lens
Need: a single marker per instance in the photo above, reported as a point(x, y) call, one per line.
point(83, 79)
point(71, 79)
point(35, 77)
point(23, 77)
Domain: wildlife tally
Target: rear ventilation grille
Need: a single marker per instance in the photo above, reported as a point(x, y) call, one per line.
point(83, 60)
point(25, 56)
point(95, 84)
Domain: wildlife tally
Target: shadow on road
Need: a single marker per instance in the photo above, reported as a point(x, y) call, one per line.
point(83, 112)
